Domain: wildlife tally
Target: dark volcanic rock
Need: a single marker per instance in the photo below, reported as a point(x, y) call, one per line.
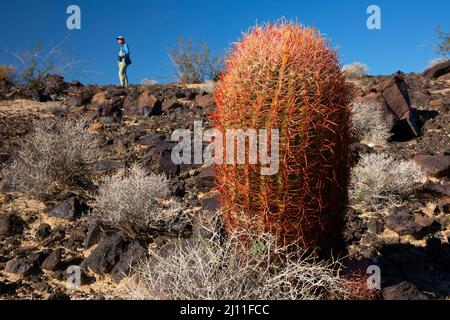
point(403, 291)
point(438, 70)
point(436, 166)
point(134, 254)
point(404, 222)
point(159, 160)
point(11, 224)
point(94, 234)
point(53, 260)
point(43, 232)
point(19, 266)
point(108, 253)
point(68, 210)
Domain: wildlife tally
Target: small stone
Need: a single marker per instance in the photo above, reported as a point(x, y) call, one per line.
point(43, 231)
point(19, 266)
point(67, 210)
point(403, 291)
point(53, 260)
point(10, 225)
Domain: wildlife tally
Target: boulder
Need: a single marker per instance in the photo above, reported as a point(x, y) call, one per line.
point(159, 159)
point(438, 70)
point(403, 291)
point(94, 234)
point(436, 166)
point(99, 99)
point(171, 104)
point(391, 97)
point(108, 253)
point(148, 105)
point(133, 255)
point(68, 210)
point(116, 255)
point(10, 225)
point(404, 222)
point(19, 266)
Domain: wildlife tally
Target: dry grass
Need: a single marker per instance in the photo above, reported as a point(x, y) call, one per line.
point(52, 158)
point(355, 70)
point(368, 124)
point(214, 267)
point(379, 181)
point(135, 202)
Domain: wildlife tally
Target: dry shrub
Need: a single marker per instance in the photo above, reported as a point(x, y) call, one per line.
point(135, 202)
point(368, 123)
point(214, 267)
point(380, 181)
point(7, 73)
point(355, 70)
point(52, 159)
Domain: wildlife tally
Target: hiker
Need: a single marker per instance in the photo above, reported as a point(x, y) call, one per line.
point(124, 61)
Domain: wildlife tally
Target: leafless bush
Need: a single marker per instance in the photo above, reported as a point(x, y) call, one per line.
point(135, 202)
point(355, 70)
point(195, 64)
point(368, 123)
point(214, 267)
point(148, 82)
point(436, 61)
point(52, 158)
point(380, 181)
point(7, 73)
point(36, 64)
point(443, 46)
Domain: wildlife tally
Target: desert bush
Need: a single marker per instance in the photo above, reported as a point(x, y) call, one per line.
point(380, 181)
point(133, 201)
point(443, 46)
point(436, 61)
point(52, 158)
point(36, 64)
point(355, 70)
point(368, 123)
point(7, 73)
point(214, 267)
point(195, 64)
point(149, 82)
point(286, 77)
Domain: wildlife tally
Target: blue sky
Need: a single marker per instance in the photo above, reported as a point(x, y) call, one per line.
point(405, 41)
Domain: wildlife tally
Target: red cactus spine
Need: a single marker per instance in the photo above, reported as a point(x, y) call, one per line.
point(286, 77)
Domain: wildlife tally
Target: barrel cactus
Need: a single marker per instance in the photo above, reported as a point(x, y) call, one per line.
point(286, 77)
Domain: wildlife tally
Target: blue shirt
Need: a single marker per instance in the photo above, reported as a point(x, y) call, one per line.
point(125, 52)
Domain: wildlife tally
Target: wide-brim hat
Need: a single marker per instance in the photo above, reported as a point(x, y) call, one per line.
point(120, 38)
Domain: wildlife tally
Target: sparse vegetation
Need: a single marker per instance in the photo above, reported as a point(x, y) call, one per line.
point(52, 159)
point(36, 64)
point(211, 267)
point(355, 70)
point(148, 82)
point(135, 202)
point(436, 61)
point(368, 123)
point(7, 73)
point(195, 64)
point(443, 46)
point(379, 181)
